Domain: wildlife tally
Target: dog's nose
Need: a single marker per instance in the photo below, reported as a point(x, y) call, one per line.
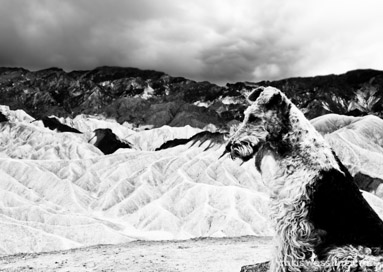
point(234, 149)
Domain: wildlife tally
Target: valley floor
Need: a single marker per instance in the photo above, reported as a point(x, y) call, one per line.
point(196, 255)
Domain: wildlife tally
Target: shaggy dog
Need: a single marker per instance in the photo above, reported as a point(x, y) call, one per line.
point(321, 219)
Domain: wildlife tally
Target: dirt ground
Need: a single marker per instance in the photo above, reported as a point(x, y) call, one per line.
point(204, 254)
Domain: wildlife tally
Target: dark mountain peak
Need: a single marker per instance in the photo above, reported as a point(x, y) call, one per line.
point(12, 69)
point(108, 73)
point(50, 70)
point(49, 73)
point(362, 75)
point(353, 77)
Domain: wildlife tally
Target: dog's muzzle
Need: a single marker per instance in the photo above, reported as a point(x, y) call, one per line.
point(241, 149)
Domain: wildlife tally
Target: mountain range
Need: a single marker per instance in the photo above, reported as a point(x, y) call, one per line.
point(153, 99)
point(60, 190)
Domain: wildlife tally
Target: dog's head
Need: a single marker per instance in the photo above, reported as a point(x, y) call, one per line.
point(265, 123)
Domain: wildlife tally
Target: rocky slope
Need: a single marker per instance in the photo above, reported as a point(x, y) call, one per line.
point(358, 141)
point(145, 97)
point(357, 92)
point(58, 191)
point(139, 97)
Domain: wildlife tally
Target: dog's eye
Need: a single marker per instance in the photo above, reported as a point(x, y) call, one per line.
point(253, 118)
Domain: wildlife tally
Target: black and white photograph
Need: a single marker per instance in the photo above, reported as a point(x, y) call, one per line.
point(191, 136)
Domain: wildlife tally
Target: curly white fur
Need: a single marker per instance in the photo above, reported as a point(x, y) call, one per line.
point(308, 153)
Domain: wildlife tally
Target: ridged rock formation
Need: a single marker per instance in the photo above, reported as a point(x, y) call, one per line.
point(58, 191)
point(358, 141)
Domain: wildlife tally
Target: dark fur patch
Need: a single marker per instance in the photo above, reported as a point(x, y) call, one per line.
point(254, 119)
point(255, 94)
point(274, 102)
point(338, 208)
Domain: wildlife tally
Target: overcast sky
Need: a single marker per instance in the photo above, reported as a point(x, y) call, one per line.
point(216, 40)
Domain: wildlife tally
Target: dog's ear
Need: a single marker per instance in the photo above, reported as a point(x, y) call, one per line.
point(255, 93)
point(272, 98)
point(275, 102)
point(276, 108)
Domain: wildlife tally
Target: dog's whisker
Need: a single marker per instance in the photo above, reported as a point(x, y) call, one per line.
point(223, 154)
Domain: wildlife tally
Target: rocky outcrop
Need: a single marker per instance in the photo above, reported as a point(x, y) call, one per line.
point(54, 124)
point(3, 118)
point(108, 142)
point(369, 184)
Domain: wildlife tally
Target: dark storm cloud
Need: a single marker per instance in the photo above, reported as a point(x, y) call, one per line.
point(73, 34)
point(217, 40)
point(242, 59)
